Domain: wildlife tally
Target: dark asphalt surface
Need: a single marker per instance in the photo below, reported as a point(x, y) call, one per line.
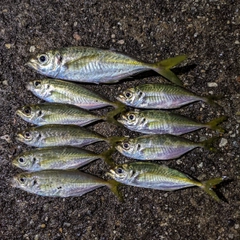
point(208, 32)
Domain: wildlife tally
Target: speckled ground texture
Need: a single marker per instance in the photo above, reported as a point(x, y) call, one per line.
point(208, 32)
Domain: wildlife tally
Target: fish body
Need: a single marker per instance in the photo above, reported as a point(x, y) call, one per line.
point(161, 177)
point(59, 183)
point(158, 147)
point(57, 113)
point(64, 158)
point(163, 122)
point(158, 96)
point(59, 91)
point(93, 65)
point(59, 135)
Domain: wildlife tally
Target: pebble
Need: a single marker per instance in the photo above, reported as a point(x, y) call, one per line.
point(76, 36)
point(236, 226)
point(212, 84)
point(8, 45)
point(5, 82)
point(32, 49)
point(237, 42)
point(120, 41)
point(223, 142)
point(43, 225)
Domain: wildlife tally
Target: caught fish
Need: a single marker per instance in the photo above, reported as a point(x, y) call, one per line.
point(160, 96)
point(159, 147)
point(66, 92)
point(61, 135)
point(161, 177)
point(163, 122)
point(93, 65)
point(64, 158)
point(57, 113)
point(61, 183)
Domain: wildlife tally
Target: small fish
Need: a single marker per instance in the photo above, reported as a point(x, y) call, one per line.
point(57, 113)
point(61, 158)
point(159, 147)
point(160, 96)
point(58, 91)
point(61, 183)
point(61, 135)
point(93, 65)
point(163, 122)
point(161, 177)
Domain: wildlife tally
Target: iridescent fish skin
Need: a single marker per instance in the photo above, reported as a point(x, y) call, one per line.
point(159, 96)
point(56, 113)
point(163, 122)
point(159, 147)
point(161, 177)
point(59, 183)
point(59, 135)
point(59, 91)
point(93, 65)
point(64, 158)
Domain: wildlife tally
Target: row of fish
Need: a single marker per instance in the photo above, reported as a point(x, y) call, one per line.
point(69, 105)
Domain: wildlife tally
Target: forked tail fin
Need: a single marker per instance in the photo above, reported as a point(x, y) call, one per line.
point(215, 122)
point(163, 68)
point(113, 186)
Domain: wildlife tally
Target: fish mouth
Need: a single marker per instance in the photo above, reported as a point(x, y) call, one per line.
point(20, 137)
point(18, 112)
point(14, 182)
point(111, 173)
point(29, 86)
point(120, 98)
point(32, 64)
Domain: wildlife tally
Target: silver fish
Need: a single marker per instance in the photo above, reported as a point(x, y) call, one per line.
point(159, 96)
point(163, 122)
point(64, 158)
point(66, 92)
point(159, 147)
point(161, 177)
point(57, 113)
point(60, 183)
point(93, 65)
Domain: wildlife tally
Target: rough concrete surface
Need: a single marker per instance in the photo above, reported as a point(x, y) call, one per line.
point(208, 32)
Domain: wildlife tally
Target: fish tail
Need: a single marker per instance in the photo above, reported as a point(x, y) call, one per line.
point(208, 144)
point(113, 186)
point(211, 100)
point(114, 140)
point(119, 107)
point(163, 68)
point(209, 184)
point(215, 122)
point(106, 156)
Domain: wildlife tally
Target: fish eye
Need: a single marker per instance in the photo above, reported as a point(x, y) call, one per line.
point(37, 83)
point(126, 146)
point(119, 170)
point(27, 110)
point(43, 58)
point(21, 160)
point(128, 94)
point(22, 179)
point(39, 113)
point(131, 117)
point(27, 135)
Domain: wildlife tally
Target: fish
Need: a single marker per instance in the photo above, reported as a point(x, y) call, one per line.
point(61, 183)
point(62, 158)
point(160, 177)
point(61, 135)
point(160, 147)
point(163, 122)
point(57, 113)
point(93, 65)
point(160, 96)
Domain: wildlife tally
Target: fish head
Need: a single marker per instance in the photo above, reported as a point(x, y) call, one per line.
point(126, 147)
point(24, 161)
point(25, 181)
point(130, 118)
point(122, 173)
point(48, 63)
point(30, 137)
point(41, 88)
point(29, 113)
point(128, 97)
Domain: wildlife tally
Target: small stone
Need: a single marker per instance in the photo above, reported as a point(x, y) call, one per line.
point(179, 161)
point(113, 36)
point(236, 226)
point(6, 138)
point(32, 49)
point(236, 42)
point(43, 225)
point(8, 45)
point(75, 24)
point(231, 236)
point(212, 84)
point(76, 36)
point(200, 165)
point(5, 82)
point(223, 142)
point(66, 224)
point(120, 42)
point(36, 237)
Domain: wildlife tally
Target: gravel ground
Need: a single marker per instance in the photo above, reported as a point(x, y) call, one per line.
point(208, 32)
